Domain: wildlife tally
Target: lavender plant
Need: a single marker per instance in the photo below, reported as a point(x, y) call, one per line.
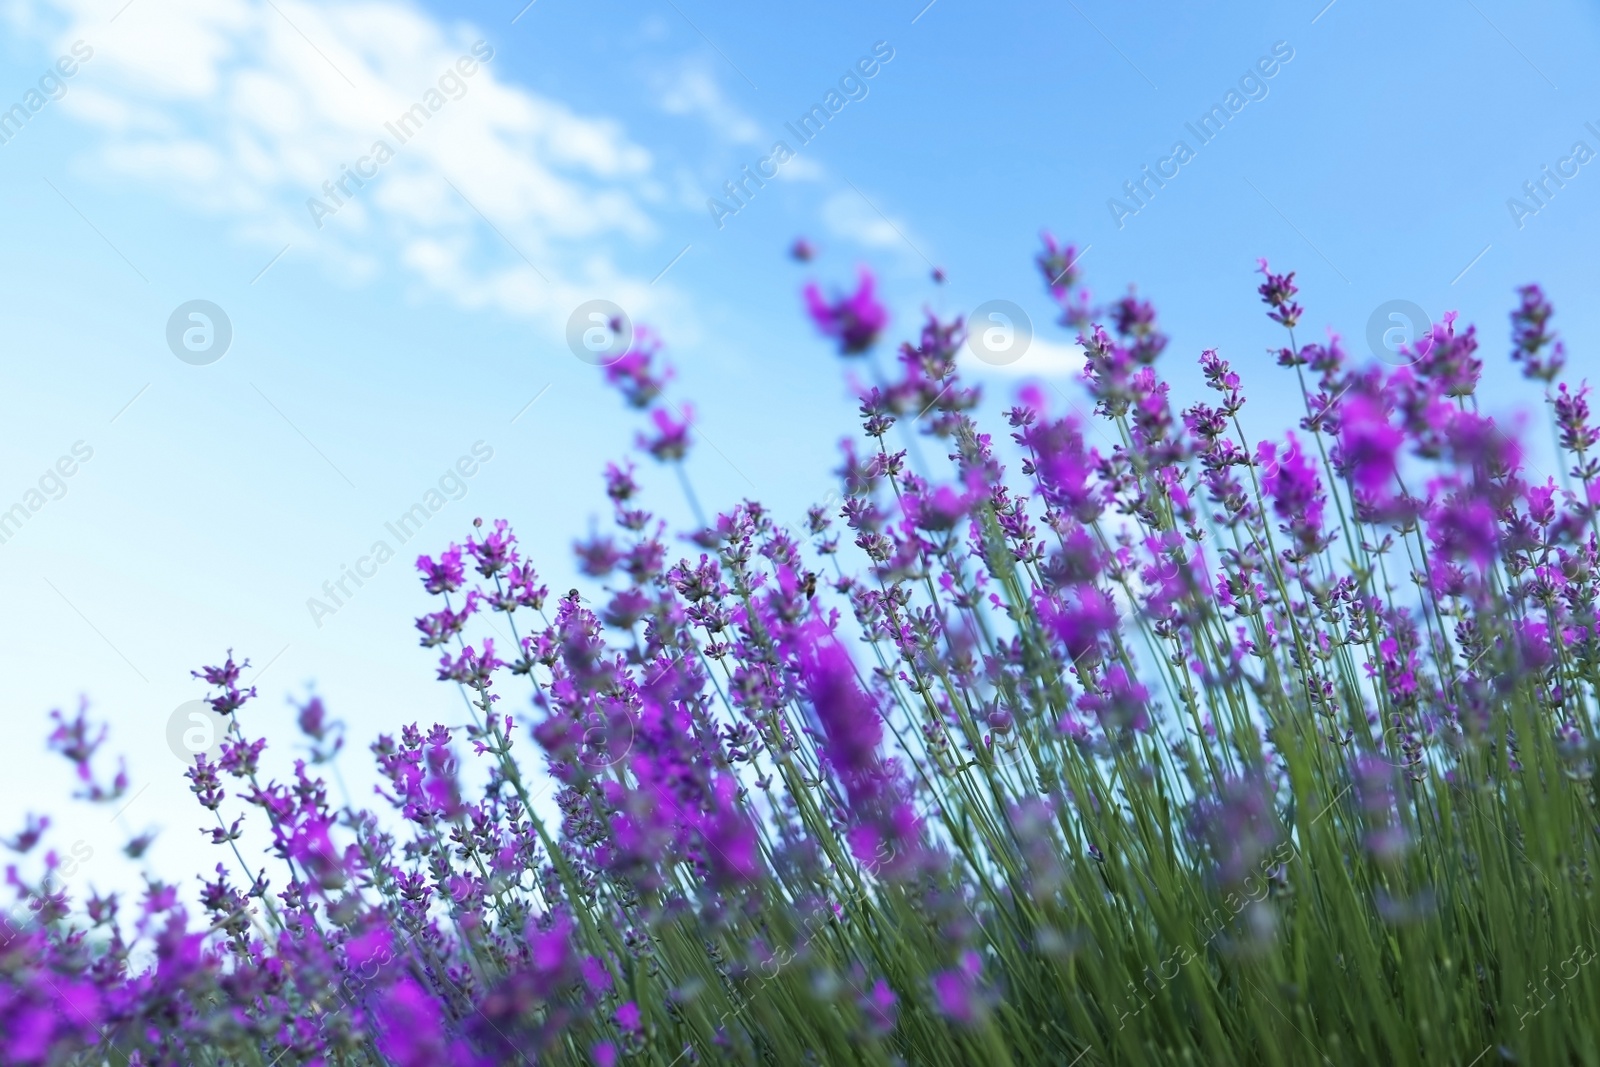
point(1163, 746)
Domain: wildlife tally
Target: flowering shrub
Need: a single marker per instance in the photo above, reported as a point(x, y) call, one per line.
point(1164, 746)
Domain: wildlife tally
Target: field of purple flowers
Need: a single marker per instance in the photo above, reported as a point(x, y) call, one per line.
point(1163, 746)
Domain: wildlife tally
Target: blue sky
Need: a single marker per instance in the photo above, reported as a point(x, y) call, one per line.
point(371, 352)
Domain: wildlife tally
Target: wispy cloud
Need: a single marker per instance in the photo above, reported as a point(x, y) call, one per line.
point(1043, 359)
point(845, 214)
point(246, 108)
point(867, 222)
point(691, 89)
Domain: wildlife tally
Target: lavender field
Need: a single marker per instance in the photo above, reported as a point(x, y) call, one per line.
point(1156, 744)
point(642, 535)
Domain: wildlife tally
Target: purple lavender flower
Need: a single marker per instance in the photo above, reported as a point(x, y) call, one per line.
point(856, 320)
point(79, 740)
point(1278, 292)
point(956, 993)
point(670, 442)
point(412, 1030)
point(879, 1006)
point(445, 575)
point(442, 626)
point(1531, 336)
point(496, 551)
point(1369, 445)
point(226, 678)
point(1446, 358)
point(851, 727)
point(1462, 527)
point(469, 667)
point(634, 373)
point(1576, 432)
point(1291, 482)
point(1058, 264)
point(1238, 828)
point(1135, 322)
point(1374, 781)
point(33, 829)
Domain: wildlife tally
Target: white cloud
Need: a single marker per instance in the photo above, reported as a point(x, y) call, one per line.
point(1042, 359)
point(246, 108)
point(107, 110)
point(848, 215)
point(692, 90)
point(803, 169)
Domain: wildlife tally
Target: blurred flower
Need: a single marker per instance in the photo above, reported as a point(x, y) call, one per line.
point(855, 320)
point(670, 442)
point(1531, 337)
